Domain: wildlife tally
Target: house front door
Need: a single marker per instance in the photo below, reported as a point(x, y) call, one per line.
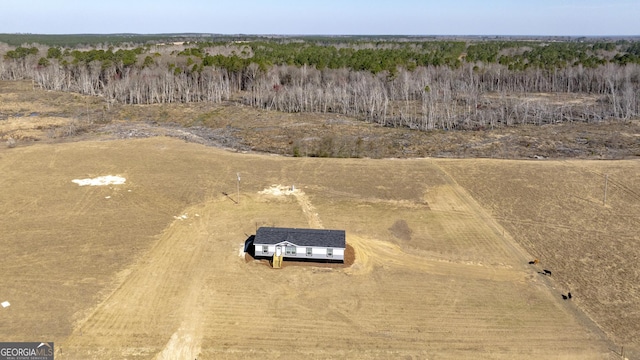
point(278, 250)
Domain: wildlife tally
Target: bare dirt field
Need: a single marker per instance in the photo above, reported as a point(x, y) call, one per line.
point(558, 211)
point(153, 268)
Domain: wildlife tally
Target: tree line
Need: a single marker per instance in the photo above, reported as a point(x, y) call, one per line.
point(424, 85)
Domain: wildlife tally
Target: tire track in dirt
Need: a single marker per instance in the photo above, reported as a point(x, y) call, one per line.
point(185, 342)
point(308, 209)
point(161, 292)
point(87, 200)
point(461, 234)
point(371, 253)
point(517, 252)
point(609, 179)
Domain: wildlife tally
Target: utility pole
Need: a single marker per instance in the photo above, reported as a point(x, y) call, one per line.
point(606, 181)
point(238, 187)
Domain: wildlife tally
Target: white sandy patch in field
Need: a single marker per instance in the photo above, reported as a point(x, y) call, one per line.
point(101, 181)
point(184, 344)
point(241, 250)
point(309, 211)
point(279, 190)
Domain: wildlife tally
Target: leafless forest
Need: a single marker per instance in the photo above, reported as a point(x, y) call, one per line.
point(443, 98)
point(460, 94)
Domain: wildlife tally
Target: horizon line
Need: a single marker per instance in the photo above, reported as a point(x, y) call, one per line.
point(317, 34)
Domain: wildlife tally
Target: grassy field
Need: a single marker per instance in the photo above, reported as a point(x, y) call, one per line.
point(153, 268)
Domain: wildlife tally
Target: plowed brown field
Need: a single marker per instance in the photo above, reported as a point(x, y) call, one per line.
point(154, 269)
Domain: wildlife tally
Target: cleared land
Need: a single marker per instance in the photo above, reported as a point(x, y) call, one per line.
point(29, 115)
point(153, 268)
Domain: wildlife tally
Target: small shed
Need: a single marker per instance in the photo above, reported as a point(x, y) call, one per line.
point(300, 244)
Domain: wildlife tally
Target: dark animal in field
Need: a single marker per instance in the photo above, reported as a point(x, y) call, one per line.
point(564, 297)
point(547, 272)
point(569, 294)
point(533, 262)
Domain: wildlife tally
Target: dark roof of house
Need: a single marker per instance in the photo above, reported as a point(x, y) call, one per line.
point(301, 237)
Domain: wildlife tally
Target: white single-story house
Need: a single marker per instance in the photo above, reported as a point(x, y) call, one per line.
point(300, 244)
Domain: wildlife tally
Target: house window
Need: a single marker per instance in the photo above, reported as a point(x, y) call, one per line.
point(265, 249)
point(290, 250)
point(329, 252)
point(309, 251)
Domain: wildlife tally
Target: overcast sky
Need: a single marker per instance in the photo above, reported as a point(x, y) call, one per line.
point(330, 17)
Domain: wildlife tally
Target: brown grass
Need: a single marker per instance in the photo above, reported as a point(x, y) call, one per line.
point(119, 272)
point(556, 211)
point(110, 273)
point(65, 116)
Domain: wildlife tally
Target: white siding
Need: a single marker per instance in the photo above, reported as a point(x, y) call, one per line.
point(259, 252)
point(318, 253)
